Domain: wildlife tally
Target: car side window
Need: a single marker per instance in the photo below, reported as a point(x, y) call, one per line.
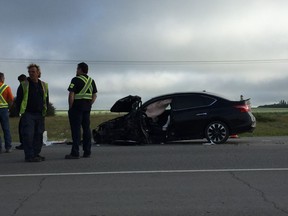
point(192, 101)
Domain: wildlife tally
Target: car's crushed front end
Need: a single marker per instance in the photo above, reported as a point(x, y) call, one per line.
point(126, 128)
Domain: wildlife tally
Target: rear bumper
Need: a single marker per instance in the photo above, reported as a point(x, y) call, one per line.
point(249, 126)
point(243, 129)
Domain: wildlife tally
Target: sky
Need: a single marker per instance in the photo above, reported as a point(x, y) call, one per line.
point(150, 47)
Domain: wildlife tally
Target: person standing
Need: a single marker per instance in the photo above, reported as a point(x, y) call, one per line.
point(32, 102)
point(6, 100)
point(21, 78)
point(82, 94)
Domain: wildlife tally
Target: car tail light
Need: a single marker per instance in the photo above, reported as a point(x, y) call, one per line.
point(243, 108)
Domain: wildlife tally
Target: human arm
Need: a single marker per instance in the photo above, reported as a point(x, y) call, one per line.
point(19, 98)
point(9, 97)
point(71, 98)
point(94, 92)
point(72, 89)
point(47, 99)
point(94, 96)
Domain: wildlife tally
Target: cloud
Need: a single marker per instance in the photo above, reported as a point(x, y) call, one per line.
point(149, 47)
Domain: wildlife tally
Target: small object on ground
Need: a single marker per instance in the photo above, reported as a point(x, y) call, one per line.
point(8, 150)
point(234, 136)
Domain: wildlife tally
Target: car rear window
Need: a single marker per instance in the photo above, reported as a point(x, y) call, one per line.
point(192, 101)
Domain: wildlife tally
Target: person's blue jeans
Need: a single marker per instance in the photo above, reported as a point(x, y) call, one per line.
point(4, 120)
point(78, 119)
point(32, 128)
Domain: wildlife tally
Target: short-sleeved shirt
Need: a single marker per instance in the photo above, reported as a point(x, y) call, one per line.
point(76, 86)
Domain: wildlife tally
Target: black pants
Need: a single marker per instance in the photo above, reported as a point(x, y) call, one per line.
point(19, 131)
point(78, 119)
point(32, 128)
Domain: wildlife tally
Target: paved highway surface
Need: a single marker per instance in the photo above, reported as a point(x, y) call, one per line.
point(246, 176)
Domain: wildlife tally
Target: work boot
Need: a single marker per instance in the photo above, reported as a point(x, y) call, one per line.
point(71, 157)
point(35, 159)
point(20, 147)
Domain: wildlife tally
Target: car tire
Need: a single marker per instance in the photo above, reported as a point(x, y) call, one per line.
point(217, 132)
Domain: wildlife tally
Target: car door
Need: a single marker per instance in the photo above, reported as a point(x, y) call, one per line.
point(190, 114)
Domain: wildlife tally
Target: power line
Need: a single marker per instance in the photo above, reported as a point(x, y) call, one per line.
point(146, 62)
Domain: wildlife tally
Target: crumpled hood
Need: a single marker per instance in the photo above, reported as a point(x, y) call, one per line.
point(125, 104)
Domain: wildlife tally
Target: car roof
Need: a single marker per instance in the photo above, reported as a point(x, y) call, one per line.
point(176, 94)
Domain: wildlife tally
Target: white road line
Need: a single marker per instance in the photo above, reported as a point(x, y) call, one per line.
point(143, 172)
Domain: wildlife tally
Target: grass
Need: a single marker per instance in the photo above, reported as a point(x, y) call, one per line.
point(270, 110)
point(269, 123)
point(58, 127)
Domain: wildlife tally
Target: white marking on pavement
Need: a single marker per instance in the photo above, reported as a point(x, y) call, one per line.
point(142, 172)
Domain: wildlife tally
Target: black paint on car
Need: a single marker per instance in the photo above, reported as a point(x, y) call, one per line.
point(177, 116)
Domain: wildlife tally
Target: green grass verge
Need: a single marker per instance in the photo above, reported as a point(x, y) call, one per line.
point(273, 123)
point(270, 124)
point(58, 127)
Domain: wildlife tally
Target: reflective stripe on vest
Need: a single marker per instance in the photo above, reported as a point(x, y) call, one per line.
point(25, 86)
point(3, 102)
point(86, 92)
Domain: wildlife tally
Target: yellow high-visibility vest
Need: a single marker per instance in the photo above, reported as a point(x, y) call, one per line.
point(3, 102)
point(25, 86)
point(86, 91)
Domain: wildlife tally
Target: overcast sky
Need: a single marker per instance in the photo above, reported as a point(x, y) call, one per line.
point(150, 47)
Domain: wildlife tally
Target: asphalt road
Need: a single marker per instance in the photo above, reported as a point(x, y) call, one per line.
point(246, 176)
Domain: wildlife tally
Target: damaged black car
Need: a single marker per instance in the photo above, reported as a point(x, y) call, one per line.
point(174, 117)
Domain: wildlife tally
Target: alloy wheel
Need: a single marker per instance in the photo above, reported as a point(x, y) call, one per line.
point(217, 132)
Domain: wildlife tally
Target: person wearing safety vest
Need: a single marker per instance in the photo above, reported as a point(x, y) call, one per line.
point(32, 102)
point(82, 94)
point(6, 100)
point(21, 78)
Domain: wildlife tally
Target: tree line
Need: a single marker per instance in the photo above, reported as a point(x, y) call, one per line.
point(281, 104)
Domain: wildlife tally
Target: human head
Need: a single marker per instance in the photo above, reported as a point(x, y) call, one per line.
point(82, 67)
point(22, 78)
point(2, 77)
point(34, 72)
